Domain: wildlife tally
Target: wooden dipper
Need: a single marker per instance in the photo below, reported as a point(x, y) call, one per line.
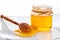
point(24, 27)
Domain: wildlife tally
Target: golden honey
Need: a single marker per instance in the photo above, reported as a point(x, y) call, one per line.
point(21, 34)
point(25, 30)
point(41, 18)
point(43, 23)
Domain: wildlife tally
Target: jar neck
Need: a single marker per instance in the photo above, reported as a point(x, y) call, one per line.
point(42, 13)
point(41, 10)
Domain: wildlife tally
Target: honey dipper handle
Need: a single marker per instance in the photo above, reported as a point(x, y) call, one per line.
point(8, 19)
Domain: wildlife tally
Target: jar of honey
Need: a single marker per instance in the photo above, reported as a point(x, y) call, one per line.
point(41, 17)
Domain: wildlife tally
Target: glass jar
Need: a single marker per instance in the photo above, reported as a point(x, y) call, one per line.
point(41, 17)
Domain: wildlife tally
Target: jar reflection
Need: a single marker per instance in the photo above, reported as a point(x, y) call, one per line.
point(44, 36)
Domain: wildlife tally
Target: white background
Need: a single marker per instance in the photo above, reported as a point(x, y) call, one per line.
point(23, 7)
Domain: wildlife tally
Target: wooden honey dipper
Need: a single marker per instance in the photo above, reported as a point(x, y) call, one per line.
point(24, 27)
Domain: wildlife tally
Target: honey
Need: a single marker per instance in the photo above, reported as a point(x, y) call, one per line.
point(41, 18)
point(21, 34)
point(43, 23)
point(25, 30)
